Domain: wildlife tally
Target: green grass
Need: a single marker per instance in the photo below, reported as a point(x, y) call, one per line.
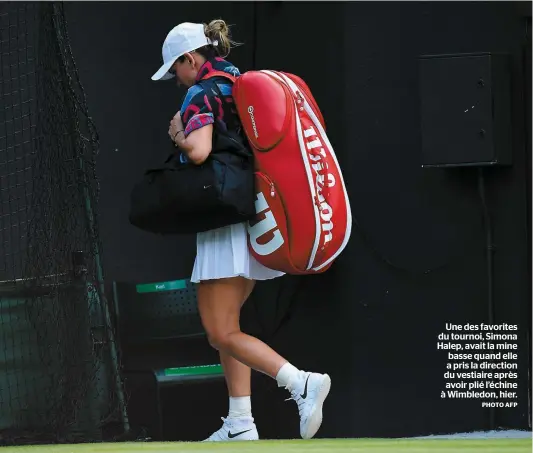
point(298, 446)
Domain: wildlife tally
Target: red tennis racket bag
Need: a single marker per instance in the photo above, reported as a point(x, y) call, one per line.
point(303, 212)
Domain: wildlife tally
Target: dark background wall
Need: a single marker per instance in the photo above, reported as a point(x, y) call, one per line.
point(417, 256)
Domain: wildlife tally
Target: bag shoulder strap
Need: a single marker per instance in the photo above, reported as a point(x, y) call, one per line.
point(208, 85)
point(220, 74)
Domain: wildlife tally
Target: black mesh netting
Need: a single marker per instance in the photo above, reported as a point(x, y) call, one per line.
point(58, 379)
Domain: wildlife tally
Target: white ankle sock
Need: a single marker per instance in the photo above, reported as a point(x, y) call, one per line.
point(240, 406)
point(287, 376)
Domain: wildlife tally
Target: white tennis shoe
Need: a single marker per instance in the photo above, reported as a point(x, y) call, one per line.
point(235, 429)
point(310, 392)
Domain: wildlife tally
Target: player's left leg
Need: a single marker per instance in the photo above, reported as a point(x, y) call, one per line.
point(239, 424)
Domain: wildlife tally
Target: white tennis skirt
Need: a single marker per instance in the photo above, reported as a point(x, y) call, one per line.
point(223, 253)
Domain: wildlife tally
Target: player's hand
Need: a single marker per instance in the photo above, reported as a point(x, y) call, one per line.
point(176, 126)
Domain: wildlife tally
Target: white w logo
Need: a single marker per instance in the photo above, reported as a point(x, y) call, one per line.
point(264, 226)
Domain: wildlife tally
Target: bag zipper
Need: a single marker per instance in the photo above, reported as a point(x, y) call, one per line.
point(269, 182)
point(300, 100)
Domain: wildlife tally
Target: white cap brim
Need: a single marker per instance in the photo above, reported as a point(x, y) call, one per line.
point(162, 73)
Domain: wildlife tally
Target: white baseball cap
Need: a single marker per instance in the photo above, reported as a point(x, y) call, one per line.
point(183, 38)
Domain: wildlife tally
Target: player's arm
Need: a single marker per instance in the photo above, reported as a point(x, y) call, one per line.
point(195, 139)
point(197, 145)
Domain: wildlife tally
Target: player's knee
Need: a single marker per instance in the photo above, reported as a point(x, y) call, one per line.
point(221, 340)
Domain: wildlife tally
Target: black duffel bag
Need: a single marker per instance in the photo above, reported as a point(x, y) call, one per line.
point(183, 198)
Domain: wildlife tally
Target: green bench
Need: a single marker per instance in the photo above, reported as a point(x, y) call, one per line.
point(189, 373)
point(160, 312)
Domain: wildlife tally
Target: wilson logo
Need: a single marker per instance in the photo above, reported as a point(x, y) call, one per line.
point(252, 119)
point(267, 224)
point(323, 179)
